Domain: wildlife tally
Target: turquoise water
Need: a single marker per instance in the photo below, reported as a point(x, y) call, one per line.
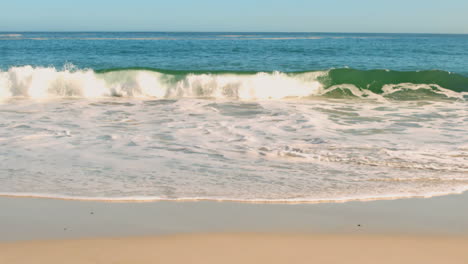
point(275, 117)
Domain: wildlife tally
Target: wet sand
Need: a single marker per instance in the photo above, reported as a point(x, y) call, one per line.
point(45, 219)
point(433, 230)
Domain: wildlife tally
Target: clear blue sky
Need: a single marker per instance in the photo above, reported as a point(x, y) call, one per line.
point(424, 16)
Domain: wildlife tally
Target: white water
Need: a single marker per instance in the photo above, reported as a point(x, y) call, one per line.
point(37, 82)
point(47, 83)
point(108, 148)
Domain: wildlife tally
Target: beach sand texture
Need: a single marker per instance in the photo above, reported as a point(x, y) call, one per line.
point(241, 248)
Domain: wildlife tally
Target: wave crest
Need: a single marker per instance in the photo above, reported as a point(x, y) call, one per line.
point(49, 82)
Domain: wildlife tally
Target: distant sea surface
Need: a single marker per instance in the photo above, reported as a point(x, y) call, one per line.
point(252, 117)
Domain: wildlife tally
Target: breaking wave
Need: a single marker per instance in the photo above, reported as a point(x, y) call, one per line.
point(49, 82)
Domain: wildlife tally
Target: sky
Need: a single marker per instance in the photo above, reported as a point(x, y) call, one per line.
point(381, 16)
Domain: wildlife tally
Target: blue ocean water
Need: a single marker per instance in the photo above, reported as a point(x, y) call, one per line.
point(259, 117)
point(286, 52)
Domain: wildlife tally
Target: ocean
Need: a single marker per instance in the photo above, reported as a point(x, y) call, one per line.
point(250, 117)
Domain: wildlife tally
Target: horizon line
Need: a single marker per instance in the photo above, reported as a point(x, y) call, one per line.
point(207, 31)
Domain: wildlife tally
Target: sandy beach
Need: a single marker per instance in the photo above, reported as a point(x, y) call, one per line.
point(242, 248)
point(433, 230)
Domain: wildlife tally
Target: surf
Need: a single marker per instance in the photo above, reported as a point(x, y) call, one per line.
point(50, 82)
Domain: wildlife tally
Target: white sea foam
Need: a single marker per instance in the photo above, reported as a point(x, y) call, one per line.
point(49, 82)
point(39, 82)
point(312, 200)
point(389, 89)
point(318, 150)
point(139, 135)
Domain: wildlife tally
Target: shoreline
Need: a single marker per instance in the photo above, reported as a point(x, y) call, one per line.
point(27, 219)
point(416, 230)
point(149, 199)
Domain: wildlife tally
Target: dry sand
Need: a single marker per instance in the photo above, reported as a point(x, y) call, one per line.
point(242, 248)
